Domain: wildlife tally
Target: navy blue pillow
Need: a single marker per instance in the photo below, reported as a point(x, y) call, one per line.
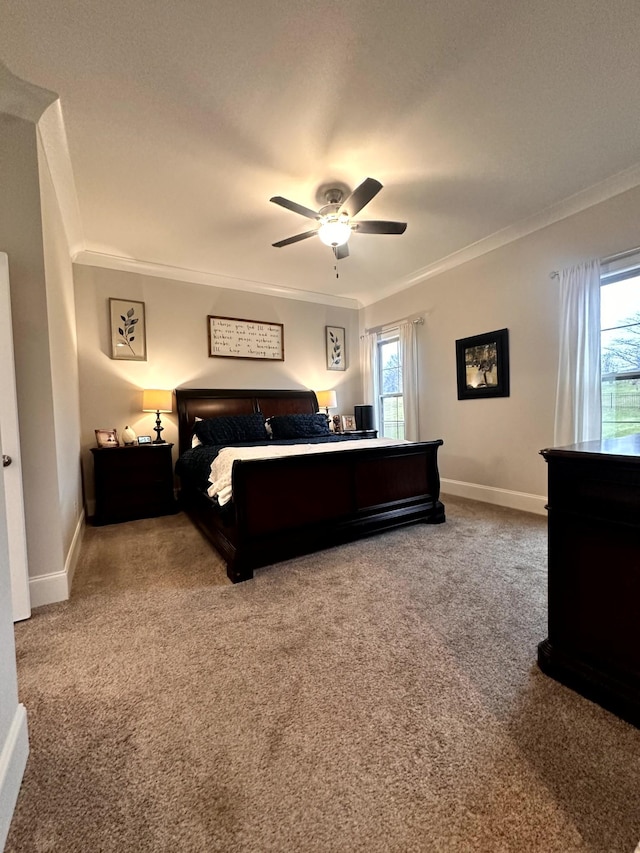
point(229, 429)
point(299, 426)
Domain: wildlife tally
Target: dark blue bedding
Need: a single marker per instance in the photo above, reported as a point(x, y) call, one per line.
point(194, 465)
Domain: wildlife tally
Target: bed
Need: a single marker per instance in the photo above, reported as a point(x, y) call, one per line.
point(287, 506)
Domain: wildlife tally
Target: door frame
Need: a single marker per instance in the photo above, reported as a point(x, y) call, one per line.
point(12, 475)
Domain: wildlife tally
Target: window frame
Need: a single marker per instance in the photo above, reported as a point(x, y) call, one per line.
point(387, 337)
point(613, 273)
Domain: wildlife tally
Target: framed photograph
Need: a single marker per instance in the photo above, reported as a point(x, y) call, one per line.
point(128, 330)
point(231, 337)
point(348, 423)
point(482, 364)
point(144, 439)
point(336, 353)
point(337, 425)
point(107, 438)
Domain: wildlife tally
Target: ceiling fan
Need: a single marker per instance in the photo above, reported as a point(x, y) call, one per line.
point(335, 219)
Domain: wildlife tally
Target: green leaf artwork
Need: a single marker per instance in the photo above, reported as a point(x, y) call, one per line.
point(128, 328)
point(336, 350)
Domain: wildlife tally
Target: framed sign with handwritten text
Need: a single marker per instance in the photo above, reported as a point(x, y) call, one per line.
point(231, 337)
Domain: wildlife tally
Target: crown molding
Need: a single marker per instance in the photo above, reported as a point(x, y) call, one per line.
point(602, 191)
point(86, 257)
point(22, 99)
point(42, 107)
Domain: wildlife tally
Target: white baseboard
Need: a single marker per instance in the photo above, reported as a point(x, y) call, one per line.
point(491, 495)
point(47, 589)
point(13, 760)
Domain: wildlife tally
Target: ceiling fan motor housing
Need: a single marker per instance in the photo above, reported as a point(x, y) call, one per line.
point(334, 196)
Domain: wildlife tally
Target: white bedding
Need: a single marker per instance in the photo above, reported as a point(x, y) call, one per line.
point(220, 477)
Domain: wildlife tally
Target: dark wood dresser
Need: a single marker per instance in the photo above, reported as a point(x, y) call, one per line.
point(594, 572)
point(133, 482)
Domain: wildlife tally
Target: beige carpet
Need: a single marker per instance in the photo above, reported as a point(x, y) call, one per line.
point(381, 696)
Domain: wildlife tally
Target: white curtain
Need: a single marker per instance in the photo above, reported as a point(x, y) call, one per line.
point(409, 357)
point(369, 362)
point(578, 400)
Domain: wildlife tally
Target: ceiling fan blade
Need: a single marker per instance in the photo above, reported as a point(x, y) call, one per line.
point(374, 226)
point(295, 207)
point(341, 251)
point(295, 239)
point(360, 196)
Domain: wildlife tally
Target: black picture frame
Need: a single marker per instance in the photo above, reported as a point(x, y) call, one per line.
point(255, 340)
point(488, 356)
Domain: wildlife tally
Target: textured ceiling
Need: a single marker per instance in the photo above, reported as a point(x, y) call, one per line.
point(184, 118)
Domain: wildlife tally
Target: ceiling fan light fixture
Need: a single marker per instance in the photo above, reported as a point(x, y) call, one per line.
point(334, 232)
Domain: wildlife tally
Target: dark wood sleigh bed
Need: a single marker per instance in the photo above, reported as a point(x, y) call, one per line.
point(293, 505)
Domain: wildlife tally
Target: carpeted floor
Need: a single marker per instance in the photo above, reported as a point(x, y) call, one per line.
point(381, 696)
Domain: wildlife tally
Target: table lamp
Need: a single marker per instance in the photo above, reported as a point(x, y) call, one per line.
point(157, 400)
point(327, 400)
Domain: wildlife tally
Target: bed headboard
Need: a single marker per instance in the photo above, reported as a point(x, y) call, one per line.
point(195, 403)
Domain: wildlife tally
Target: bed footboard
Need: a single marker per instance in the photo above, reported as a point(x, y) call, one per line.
point(293, 505)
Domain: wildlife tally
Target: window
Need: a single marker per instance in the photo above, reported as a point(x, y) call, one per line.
point(391, 405)
point(620, 348)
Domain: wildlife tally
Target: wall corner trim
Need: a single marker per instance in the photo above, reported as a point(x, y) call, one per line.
point(13, 761)
point(56, 586)
point(48, 589)
point(53, 136)
point(74, 551)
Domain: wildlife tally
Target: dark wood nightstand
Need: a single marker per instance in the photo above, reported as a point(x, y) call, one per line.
point(361, 433)
point(133, 482)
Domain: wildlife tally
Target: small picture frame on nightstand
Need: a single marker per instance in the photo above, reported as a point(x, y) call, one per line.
point(144, 439)
point(348, 423)
point(107, 438)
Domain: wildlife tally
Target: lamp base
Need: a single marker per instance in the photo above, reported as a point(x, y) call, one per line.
point(158, 428)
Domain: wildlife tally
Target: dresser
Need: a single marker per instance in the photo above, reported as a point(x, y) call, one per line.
point(133, 482)
point(593, 642)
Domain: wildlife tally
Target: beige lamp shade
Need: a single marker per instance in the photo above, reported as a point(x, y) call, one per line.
point(157, 400)
point(327, 399)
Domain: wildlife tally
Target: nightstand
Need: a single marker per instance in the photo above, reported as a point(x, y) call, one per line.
point(361, 433)
point(133, 482)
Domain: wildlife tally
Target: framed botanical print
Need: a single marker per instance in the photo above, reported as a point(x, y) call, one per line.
point(336, 354)
point(128, 330)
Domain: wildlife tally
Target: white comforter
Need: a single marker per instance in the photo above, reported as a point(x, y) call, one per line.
point(220, 477)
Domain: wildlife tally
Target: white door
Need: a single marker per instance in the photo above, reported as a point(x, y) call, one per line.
point(11, 467)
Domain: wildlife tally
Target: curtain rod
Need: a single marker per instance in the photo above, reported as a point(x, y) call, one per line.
point(617, 257)
point(385, 326)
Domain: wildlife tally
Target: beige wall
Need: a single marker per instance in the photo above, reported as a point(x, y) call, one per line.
point(495, 443)
point(177, 350)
